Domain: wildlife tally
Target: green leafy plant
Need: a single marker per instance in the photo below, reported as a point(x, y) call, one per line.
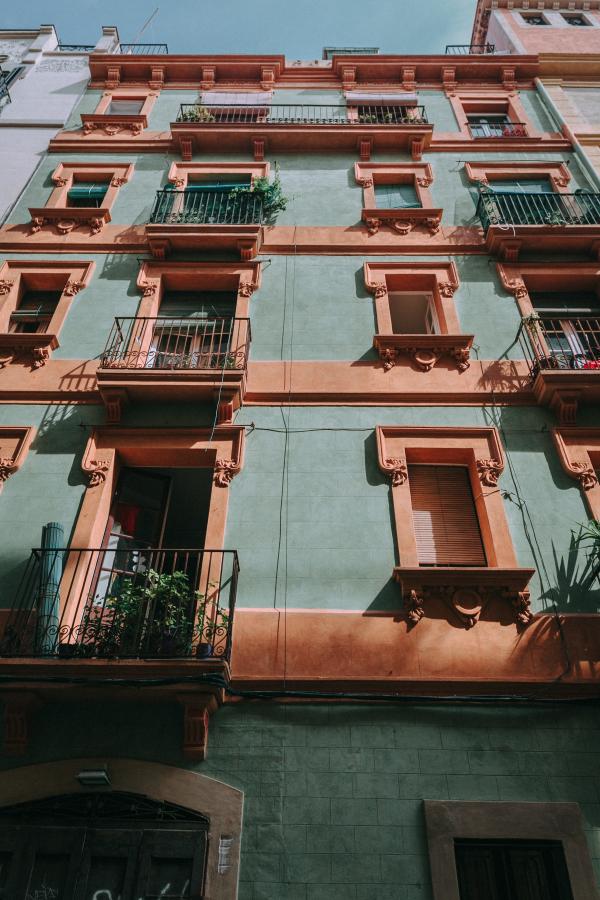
point(270, 192)
point(197, 113)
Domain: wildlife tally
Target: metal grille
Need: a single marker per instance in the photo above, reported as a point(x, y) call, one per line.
point(126, 601)
point(76, 48)
point(561, 343)
point(207, 208)
point(468, 49)
point(109, 806)
point(303, 114)
point(143, 49)
point(175, 343)
point(538, 209)
point(497, 130)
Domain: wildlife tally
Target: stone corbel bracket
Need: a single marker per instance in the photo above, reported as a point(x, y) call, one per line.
point(97, 464)
point(14, 446)
point(578, 450)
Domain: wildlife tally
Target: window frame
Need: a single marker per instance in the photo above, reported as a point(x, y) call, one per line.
point(111, 124)
point(441, 281)
point(65, 218)
point(179, 173)
point(16, 276)
point(578, 450)
point(466, 590)
point(401, 220)
point(505, 820)
point(486, 172)
point(505, 102)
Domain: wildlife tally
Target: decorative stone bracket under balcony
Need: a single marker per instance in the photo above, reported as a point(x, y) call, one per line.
point(276, 128)
point(425, 350)
point(402, 221)
point(166, 359)
point(547, 222)
point(66, 219)
point(466, 591)
point(111, 125)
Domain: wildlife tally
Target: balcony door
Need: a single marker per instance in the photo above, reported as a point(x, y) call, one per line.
point(488, 125)
point(193, 330)
point(570, 325)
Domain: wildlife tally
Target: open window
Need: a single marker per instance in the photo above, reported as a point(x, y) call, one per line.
point(569, 325)
point(534, 19)
point(415, 314)
point(490, 116)
point(194, 329)
point(576, 20)
point(457, 550)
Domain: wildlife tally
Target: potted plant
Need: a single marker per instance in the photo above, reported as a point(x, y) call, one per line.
point(270, 192)
point(211, 622)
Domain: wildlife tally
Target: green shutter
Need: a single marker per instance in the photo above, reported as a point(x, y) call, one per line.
point(94, 192)
point(396, 196)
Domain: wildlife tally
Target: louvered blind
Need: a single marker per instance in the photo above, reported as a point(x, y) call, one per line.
point(444, 516)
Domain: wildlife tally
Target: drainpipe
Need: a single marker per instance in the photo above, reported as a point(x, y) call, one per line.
point(48, 611)
point(580, 153)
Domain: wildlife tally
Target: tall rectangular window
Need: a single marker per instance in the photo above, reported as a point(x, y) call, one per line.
point(444, 517)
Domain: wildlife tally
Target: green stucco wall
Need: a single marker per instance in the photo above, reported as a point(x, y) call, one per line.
point(333, 793)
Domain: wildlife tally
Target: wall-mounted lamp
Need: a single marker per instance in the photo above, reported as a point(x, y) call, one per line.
point(94, 777)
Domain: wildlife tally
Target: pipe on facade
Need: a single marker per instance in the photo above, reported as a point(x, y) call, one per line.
point(554, 113)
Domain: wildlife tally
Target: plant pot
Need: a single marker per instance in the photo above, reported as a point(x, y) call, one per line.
point(204, 650)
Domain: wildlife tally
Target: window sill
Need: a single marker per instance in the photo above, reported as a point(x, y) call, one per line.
point(402, 220)
point(424, 349)
point(113, 124)
point(34, 349)
point(466, 590)
point(66, 218)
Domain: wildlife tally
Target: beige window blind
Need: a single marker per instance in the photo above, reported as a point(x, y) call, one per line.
point(444, 515)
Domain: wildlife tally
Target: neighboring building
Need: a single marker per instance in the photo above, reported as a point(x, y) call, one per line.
point(294, 605)
point(43, 80)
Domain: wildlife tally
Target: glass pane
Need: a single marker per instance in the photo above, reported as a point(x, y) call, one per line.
point(169, 879)
point(106, 879)
point(49, 877)
point(124, 108)
point(200, 304)
point(524, 186)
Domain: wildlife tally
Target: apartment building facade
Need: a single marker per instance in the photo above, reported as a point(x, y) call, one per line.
point(298, 433)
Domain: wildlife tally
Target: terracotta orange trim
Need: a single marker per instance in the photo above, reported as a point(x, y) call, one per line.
point(579, 453)
point(376, 651)
point(418, 174)
point(16, 276)
point(179, 173)
point(148, 98)
point(14, 446)
point(485, 172)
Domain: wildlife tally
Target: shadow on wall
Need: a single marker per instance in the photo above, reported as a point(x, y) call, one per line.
point(575, 587)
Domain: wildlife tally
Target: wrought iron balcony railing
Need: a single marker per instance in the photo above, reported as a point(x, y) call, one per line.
point(170, 344)
point(4, 92)
point(124, 601)
point(76, 48)
point(207, 208)
point(498, 130)
point(302, 114)
point(538, 209)
point(565, 343)
point(143, 49)
point(469, 49)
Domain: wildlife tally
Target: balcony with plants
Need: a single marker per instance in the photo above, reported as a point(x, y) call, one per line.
point(216, 216)
point(300, 127)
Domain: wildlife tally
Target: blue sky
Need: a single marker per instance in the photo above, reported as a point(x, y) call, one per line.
point(297, 28)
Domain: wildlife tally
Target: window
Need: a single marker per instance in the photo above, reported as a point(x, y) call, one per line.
point(444, 516)
point(34, 312)
point(531, 19)
point(578, 21)
point(86, 194)
point(484, 125)
point(193, 330)
point(523, 870)
point(413, 313)
point(124, 108)
point(523, 186)
point(397, 196)
point(102, 844)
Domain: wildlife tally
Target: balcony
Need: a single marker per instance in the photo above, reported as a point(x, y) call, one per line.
point(554, 222)
point(301, 127)
point(174, 359)
point(76, 48)
point(564, 361)
point(124, 602)
point(215, 220)
point(143, 49)
point(469, 49)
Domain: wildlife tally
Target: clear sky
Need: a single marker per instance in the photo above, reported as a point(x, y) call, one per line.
point(297, 28)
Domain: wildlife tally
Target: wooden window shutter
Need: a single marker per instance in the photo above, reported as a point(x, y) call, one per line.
point(444, 516)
